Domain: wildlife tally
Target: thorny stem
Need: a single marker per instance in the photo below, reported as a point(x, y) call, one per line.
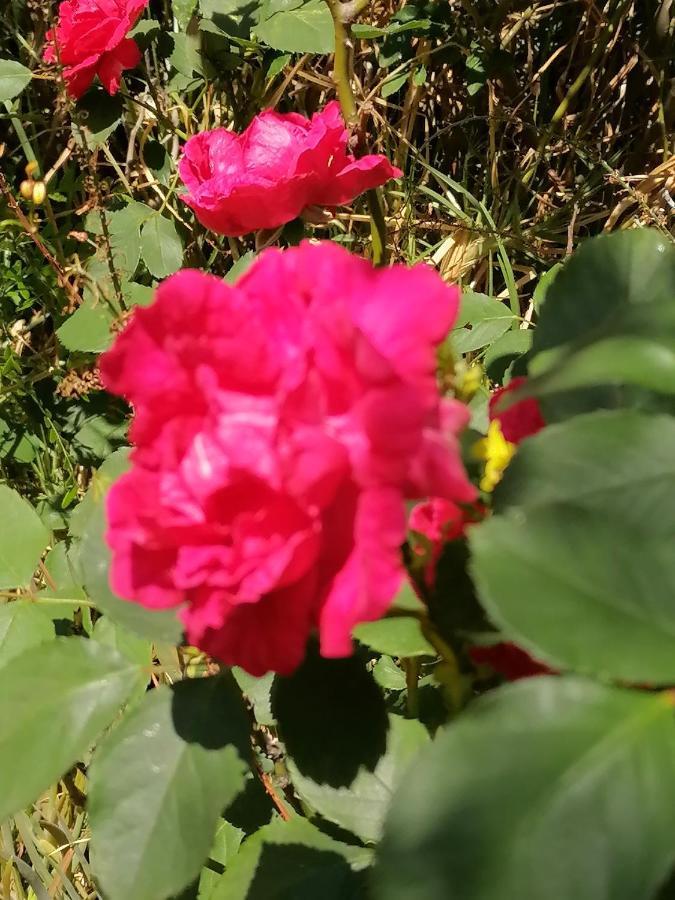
point(342, 13)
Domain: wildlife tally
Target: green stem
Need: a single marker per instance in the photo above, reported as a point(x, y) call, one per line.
point(343, 82)
point(411, 667)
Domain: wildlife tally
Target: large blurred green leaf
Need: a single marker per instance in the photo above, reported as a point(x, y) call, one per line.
point(609, 316)
point(580, 591)
point(293, 861)
point(362, 806)
point(22, 625)
point(579, 567)
point(297, 26)
point(55, 700)
point(14, 77)
point(555, 788)
point(159, 784)
point(23, 538)
point(620, 463)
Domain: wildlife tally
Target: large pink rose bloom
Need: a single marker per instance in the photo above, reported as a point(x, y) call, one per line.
point(91, 36)
point(279, 166)
point(280, 425)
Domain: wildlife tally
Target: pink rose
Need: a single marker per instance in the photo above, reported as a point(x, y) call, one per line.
point(91, 37)
point(519, 420)
point(280, 424)
point(279, 166)
point(439, 521)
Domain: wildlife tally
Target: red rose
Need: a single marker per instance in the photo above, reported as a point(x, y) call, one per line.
point(509, 660)
point(519, 420)
point(280, 425)
point(91, 39)
point(275, 169)
point(440, 521)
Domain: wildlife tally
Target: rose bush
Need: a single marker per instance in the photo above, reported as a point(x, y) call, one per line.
point(280, 425)
point(90, 39)
point(279, 166)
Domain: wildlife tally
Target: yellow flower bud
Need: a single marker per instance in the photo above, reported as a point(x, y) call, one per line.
point(39, 192)
point(31, 168)
point(26, 190)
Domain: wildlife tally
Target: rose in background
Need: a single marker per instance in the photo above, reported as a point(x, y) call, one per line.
point(279, 166)
point(517, 419)
point(439, 521)
point(90, 39)
point(510, 422)
point(280, 425)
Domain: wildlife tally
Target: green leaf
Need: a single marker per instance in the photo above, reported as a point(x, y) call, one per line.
point(64, 584)
point(616, 463)
point(332, 718)
point(88, 328)
point(539, 791)
point(393, 84)
point(580, 569)
point(398, 636)
point(293, 859)
point(544, 284)
point(238, 268)
point(125, 642)
point(186, 57)
point(23, 538)
point(225, 847)
point(476, 72)
point(109, 470)
point(510, 344)
point(56, 698)
point(183, 10)
point(639, 361)
point(625, 285)
point(124, 230)
point(388, 675)
point(98, 116)
point(161, 246)
point(138, 294)
point(258, 692)
point(296, 26)
point(277, 66)
point(22, 625)
point(489, 320)
point(159, 784)
point(13, 78)
point(361, 807)
point(554, 582)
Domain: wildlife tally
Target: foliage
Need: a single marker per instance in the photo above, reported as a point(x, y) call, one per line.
point(133, 765)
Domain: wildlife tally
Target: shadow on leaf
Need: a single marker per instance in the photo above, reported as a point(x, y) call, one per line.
point(295, 872)
point(332, 718)
point(211, 712)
